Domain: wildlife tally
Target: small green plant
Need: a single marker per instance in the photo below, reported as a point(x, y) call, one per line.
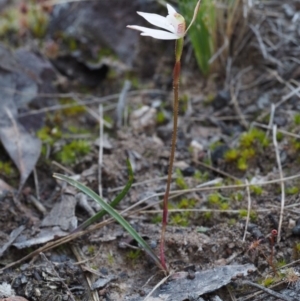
point(281, 263)
point(110, 258)
point(242, 164)
point(179, 219)
point(74, 110)
point(180, 181)
point(297, 119)
point(237, 196)
point(279, 136)
point(184, 103)
point(214, 198)
point(252, 137)
point(72, 151)
point(268, 281)
point(231, 155)
point(296, 251)
point(91, 249)
point(201, 176)
point(133, 255)
point(49, 135)
point(207, 215)
point(251, 144)
point(156, 219)
point(244, 212)
point(6, 168)
point(256, 190)
point(160, 117)
point(292, 190)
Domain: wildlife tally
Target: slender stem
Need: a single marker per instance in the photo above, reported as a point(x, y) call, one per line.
point(176, 74)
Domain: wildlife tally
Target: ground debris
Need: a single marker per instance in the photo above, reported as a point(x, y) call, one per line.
point(181, 287)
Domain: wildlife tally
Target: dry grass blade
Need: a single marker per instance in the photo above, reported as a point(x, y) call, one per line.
point(281, 181)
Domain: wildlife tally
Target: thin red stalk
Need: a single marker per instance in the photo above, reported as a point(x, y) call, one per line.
point(176, 74)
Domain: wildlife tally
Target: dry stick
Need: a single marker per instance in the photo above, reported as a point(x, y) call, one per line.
point(94, 100)
point(122, 104)
point(65, 169)
point(36, 184)
point(78, 254)
point(249, 208)
point(278, 130)
point(157, 286)
point(174, 176)
point(268, 291)
point(93, 113)
point(237, 108)
point(281, 181)
point(271, 121)
point(100, 159)
point(219, 171)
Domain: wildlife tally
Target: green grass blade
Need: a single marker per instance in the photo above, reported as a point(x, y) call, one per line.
point(113, 213)
point(113, 204)
point(202, 33)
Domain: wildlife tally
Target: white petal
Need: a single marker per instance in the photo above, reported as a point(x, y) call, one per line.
point(155, 33)
point(157, 20)
point(171, 10)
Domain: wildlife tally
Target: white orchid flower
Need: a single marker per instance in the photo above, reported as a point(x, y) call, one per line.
point(174, 23)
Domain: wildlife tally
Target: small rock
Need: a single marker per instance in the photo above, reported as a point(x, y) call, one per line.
point(221, 100)
point(143, 118)
point(188, 171)
point(291, 224)
point(289, 10)
point(296, 230)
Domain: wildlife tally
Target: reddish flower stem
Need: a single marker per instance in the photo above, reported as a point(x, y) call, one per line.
point(176, 74)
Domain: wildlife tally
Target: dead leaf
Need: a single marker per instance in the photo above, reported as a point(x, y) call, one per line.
point(13, 236)
point(62, 214)
point(23, 148)
point(182, 288)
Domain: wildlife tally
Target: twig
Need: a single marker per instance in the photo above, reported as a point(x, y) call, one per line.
point(36, 184)
point(281, 182)
point(278, 130)
point(157, 286)
point(92, 100)
point(100, 159)
point(122, 103)
point(65, 169)
point(219, 171)
point(267, 290)
point(249, 208)
point(174, 176)
point(271, 121)
point(78, 254)
point(38, 205)
point(237, 108)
